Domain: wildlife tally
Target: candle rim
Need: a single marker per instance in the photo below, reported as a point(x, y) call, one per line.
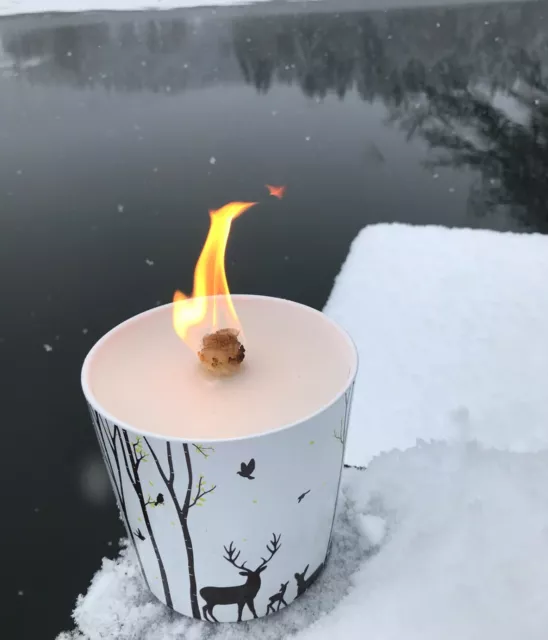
point(97, 406)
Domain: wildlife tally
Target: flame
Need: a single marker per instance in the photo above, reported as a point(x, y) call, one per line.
point(277, 192)
point(201, 312)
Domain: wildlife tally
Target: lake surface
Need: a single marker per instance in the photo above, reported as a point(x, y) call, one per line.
point(120, 131)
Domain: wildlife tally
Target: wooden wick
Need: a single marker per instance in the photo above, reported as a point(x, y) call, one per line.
point(222, 353)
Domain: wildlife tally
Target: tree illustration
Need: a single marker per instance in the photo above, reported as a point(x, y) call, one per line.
point(110, 438)
point(194, 496)
point(341, 434)
point(134, 456)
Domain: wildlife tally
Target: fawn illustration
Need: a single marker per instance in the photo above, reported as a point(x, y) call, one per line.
point(243, 594)
point(302, 582)
point(277, 597)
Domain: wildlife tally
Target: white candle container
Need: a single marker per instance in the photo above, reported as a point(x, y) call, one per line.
point(230, 529)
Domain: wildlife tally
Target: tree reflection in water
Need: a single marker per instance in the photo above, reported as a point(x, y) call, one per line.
point(440, 72)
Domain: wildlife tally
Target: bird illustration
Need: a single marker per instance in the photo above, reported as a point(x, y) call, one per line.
point(247, 469)
point(139, 534)
point(302, 496)
point(154, 503)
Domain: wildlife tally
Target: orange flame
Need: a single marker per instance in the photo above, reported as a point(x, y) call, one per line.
point(277, 192)
point(200, 311)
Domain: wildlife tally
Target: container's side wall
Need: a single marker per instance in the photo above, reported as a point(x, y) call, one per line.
point(238, 528)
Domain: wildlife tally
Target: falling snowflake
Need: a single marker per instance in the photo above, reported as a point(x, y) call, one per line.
point(307, 138)
point(212, 160)
point(451, 189)
point(48, 347)
point(149, 262)
point(120, 208)
point(84, 331)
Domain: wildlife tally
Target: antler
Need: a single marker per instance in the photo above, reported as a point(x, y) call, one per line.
point(273, 546)
point(230, 551)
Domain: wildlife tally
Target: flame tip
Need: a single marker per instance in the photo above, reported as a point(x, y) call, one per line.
point(210, 279)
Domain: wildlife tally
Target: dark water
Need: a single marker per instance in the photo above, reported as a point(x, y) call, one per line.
point(119, 131)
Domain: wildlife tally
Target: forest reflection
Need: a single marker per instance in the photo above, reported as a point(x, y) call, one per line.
point(439, 73)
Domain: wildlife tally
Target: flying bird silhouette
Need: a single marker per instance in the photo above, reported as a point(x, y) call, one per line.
point(247, 469)
point(277, 192)
point(302, 496)
point(139, 534)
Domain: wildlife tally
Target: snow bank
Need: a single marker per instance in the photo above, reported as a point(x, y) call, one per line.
point(452, 330)
point(443, 539)
point(15, 7)
point(464, 556)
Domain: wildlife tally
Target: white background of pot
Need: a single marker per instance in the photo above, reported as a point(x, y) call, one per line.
point(292, 496)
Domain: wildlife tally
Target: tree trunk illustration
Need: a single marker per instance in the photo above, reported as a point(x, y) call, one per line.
point(105, 435)
point(184, 509)
point(132, 460)
point(342, 439)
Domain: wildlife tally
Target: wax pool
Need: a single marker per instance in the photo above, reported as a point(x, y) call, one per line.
point(297, 362)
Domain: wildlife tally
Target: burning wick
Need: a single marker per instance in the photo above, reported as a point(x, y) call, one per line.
point(197, 319)
point(222, 353)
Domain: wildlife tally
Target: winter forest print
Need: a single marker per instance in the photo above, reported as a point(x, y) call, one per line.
point(152, 475)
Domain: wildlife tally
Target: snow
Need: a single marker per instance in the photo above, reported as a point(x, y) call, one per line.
point(15, 7)
point(452, 334)
point(373, 528)
point(445, 533)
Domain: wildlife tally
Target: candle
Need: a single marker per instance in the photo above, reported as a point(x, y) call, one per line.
point(227, 485)
point(298, 362)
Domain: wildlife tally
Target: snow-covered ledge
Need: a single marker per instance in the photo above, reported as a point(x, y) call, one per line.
point(440, 539)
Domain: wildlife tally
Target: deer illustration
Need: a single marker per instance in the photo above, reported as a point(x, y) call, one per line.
point(277, 597)
point(243, 594)
point(302, 582)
